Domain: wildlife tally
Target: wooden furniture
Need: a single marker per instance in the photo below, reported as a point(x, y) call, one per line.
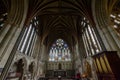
point(107, 65)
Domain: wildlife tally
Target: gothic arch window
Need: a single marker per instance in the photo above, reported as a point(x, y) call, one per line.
point(26, 45)
point(59, 51)
point(91, 38)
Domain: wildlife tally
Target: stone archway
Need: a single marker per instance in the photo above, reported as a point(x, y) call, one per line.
point(18, 68)
point(21, 67)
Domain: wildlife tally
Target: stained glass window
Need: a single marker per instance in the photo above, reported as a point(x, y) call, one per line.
point(59, 51)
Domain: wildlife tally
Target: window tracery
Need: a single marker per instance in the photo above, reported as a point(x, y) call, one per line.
point(59, 51)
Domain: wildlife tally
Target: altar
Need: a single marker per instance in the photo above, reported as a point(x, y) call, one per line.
point(62, 73)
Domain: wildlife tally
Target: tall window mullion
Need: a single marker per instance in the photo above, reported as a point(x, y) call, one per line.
point(87, 44)
point(32, 45)
point(22, 40)
point(29, 41)
point(90, 41)
point(94, 39)
point(98, 43)
point(25, 41)
point(86, 48)
point(86, 37)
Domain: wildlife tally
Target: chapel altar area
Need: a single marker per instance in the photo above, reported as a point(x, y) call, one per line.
point(60, 73)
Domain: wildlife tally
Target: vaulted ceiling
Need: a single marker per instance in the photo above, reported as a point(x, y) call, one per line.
point(60, 18)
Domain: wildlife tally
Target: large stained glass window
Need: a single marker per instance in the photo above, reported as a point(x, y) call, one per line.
point(59, 51)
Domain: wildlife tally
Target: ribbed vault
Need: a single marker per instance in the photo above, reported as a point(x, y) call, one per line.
point(4, 6)
point(59, 27)
point(61, 18)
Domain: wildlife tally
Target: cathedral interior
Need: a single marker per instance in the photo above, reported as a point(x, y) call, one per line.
point(57, 39)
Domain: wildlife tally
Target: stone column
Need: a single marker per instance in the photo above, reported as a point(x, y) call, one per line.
point(82, 53)
point(16, 17)
point(37, 55)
